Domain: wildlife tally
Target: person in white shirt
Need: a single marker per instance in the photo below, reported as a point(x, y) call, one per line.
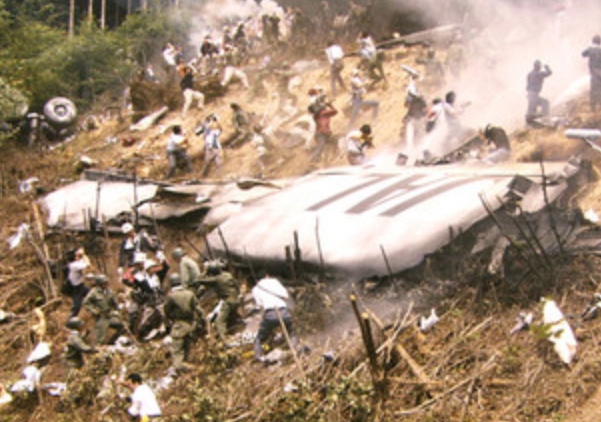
point(176, 151)
point(271, 296)
point(77, 289)
point(144, 405)
point(335, 55)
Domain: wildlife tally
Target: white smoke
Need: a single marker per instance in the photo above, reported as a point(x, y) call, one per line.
point(502, 40)
point(210, 18)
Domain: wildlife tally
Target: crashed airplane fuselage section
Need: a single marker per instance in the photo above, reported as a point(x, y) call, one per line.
point(352, 217)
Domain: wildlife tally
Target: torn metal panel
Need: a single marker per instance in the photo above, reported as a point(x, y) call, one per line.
point(69, 206)
point(358, 212)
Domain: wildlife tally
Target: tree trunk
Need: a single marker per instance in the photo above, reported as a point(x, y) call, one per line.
point(91, 10)
point(103, 14)
point(71, 17)
point(128, 7)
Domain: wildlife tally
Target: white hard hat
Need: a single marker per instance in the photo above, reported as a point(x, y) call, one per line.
point(127, 227)
point(149, 263)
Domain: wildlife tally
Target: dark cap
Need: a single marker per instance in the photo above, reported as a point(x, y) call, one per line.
point(73, 323)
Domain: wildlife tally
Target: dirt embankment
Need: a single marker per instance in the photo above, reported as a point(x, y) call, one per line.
point(467, 368)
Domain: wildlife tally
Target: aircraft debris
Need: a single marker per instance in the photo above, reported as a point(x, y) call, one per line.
point(32, 376)
point(559, 331)
point(40, 352)
point(28, 185)
point(591, 216)
point(148, 121)
point(523, 322)
point(55, 389)
point(592, 310)
point(15, 239)
point(426, 323)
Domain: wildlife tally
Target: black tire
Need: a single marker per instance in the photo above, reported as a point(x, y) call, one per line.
point(60, 111)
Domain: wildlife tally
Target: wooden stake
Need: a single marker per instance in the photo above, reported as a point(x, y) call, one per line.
point(386, 261)
point(321, 262)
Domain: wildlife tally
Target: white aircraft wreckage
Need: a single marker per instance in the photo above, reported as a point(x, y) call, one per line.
point(359, 221)
point(382, 220)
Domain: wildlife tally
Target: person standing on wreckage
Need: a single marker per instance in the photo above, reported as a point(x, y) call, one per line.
point(132, 243)
point(534, 86)
point(594, 65)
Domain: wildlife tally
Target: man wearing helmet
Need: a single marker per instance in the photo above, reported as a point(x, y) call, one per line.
point(76, 346)
point(189, 270)
point(101, 303)
point(228, 293)
point(183, 311)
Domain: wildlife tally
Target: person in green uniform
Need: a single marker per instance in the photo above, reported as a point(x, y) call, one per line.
point(228, 292)
point(76, 345)
point(189, 270)
point(101, 303)
point(183, 312)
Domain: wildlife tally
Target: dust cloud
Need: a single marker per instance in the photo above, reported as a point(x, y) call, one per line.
point(502, 40)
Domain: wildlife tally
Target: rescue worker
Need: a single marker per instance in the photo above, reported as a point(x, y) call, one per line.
point(101, 303)
point(356, 142)
point(271, 296)
point(189, 271)
point(594, 66)
point(498, 139)
point(371, 59)
point(534, 86)
point(183, 311)
point(176, 151)
point(323, 113)
point(434, 75)
point(190, 94)
point(228, 293)
point(335, 57)
point(241, 123)
point(358, 92)
point(132, 243)
point(144, 404)
point(77, 288)
point(212, 153)
point(76, 346)
point(284, 75)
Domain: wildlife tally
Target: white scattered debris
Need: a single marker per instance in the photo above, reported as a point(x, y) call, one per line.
point(243, 338)
point(55, 389)
point(162, 383)
point(592, 310)
point(41, 352)
point(591, 216)
point(6, 316)
point(426, 323)
point(290, 388)
point(32, 379)
point(275, 356)
point(523, 322)
point(5, 396)
point(167, 341)
point(28, 185)
point(329, 356)
point(213, 315)
point(560, 332)
point(148, 121)
point(15, 240)
point(124, 346)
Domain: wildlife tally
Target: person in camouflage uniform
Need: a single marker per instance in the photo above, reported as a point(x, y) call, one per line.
point(228, 293)
point(76, 346)
point(183, 311)
point(101, 303)
point(189, 270)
